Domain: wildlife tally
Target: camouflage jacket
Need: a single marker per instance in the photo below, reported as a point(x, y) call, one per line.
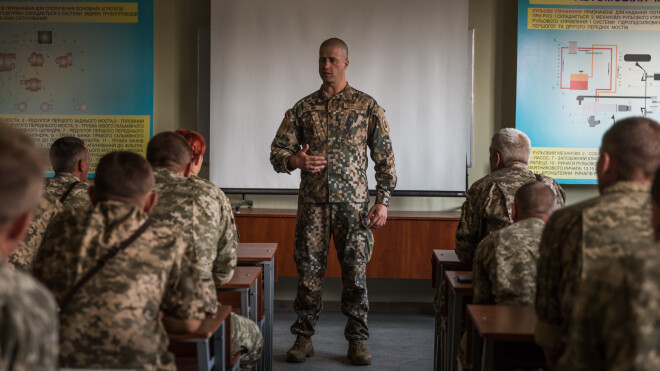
point(28, 323)
point(576, 237)
point(22, 257)
point(504, 269)
point(58, 185)
point(615, 323)
point(201, 213)
point(488, 205)
point(339, 128)
point(113, 320)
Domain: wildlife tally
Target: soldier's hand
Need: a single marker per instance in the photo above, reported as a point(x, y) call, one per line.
point(302, 161)
point(377, 216)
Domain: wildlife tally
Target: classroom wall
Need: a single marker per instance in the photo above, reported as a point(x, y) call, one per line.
point(494, 22)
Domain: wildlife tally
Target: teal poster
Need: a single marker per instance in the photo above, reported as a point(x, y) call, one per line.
point(582, 65)
point(79, 68)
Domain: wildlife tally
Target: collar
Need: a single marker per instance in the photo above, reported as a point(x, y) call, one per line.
point(167, 172)
point(626, 186)
point(519, 165)
point(346, 94)
point(65, 175)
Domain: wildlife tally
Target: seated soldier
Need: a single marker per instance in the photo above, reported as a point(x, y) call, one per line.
point(504, 269)
point(22, 257)
point(615, 324)
point(611, 225)
point(195, 208)
point(28, 313)
point(70, 160)
point(121, 278)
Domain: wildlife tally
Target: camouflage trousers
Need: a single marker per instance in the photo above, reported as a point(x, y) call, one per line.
point(246, 338)
point(346, 224)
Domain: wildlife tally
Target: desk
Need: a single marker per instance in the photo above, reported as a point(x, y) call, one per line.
point(493, 323)
point(263, 255)
point(441, 262)
point(459, 296)
point(245, 281)
point(216, 328)
point(416, 233)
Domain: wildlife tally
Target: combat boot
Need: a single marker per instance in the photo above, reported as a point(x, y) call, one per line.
point(358, 353)
point(300, 350)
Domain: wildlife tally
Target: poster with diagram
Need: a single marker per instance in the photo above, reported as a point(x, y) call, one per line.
point(582, 65)
point(78, 68)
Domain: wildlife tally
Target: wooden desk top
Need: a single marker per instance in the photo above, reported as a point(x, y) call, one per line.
point(458, 287)
point(255, 252)
point(244, 278)
point(209, 325)
point(291, 213)
point(500, 322)
point(449, 258)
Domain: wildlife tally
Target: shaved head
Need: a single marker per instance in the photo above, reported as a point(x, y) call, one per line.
point(169, 149)
point(65, 153)
point(634, 145)
point(124, 175)
point(534, 199)
point(335, 43)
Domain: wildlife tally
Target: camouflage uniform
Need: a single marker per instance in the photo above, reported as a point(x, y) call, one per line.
point(488, 208)
point(334, 201)
point(575, 238)
point(58, 185)
point(28, 323)
point(504, 270)
point(113, 320)
point(616, 319)
point(202, 214)
point(22, 257)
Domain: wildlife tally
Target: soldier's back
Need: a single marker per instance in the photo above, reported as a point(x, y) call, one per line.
point(69, 190)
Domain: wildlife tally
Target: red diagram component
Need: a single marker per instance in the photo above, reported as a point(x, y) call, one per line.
point(64, 61)
point(33, 84)
point(579, 80)
point(36, 59)
point(7, 61)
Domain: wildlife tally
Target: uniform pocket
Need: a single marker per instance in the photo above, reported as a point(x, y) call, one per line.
point(355, 129)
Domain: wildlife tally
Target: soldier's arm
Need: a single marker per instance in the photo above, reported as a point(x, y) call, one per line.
point(185, 296)
point(48, 260)
point(382, 154)
point(286, 143)
point(225, 260)
point(482, 287)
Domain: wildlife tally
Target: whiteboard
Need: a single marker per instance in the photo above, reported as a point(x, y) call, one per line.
point(410, 55)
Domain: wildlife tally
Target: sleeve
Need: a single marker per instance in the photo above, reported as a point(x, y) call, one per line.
point(49, 260)
point(185, 296)
point(382, 154)
point(482, 288)
point(598, 333)
point(286, 142)
point(225, 261)
point(558, 269)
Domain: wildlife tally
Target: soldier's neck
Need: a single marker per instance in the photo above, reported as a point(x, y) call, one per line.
point(334, 89)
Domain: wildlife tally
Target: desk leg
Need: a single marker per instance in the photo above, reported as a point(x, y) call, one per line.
point(269, 290)
point(438, 348)
point(454, 322)
point(204, 355)
point(219, 355)
point(245, 302)
point(476, 349)
point(487, 360)
point(254, 315)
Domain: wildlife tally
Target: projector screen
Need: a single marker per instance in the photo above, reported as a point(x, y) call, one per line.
point(412, 56)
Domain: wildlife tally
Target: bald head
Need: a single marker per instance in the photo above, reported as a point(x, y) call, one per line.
point(534, 199)
point(633, 145)
point(510, 145)
point(335, 43)
point(169, 149)
point(123, 176)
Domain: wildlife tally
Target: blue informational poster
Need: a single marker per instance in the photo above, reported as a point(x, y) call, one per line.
point(582, 65)
point(79, 68)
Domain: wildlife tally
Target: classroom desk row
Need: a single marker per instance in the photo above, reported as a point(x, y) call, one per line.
point(250, 292)
point(498, 337)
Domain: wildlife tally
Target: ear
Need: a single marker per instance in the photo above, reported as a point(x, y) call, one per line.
point(346, 62)
point(149, 202)
point(188, 170)
point(92, 195)
point(198, 161)
point(606, 162)
point(15, 232)
point(514, 211)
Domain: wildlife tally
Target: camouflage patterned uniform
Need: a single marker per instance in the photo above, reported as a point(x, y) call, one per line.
point(616, 319)
point(202, 214)
point(28, 323)
point(575, 238)
point(504, 270)
point(113, 320)
point(334, 201)
point(58, 185)
point(22, 257)
point(488, 208)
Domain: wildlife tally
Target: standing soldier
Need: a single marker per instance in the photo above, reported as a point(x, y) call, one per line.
point(28, 314)
point(70, 160)
point(326, 136)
